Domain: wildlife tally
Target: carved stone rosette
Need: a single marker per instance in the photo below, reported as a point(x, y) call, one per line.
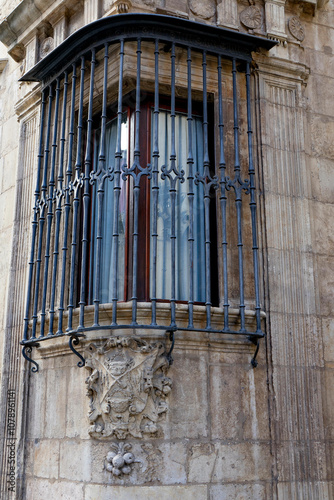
point(205, 10)
point(127, 386)
point(296, 28)
point(251, 17)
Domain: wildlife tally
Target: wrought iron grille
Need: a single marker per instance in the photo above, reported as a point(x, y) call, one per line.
point(115, 70)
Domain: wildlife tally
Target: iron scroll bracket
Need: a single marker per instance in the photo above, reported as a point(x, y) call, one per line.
point(172, 339)
point(28, 349)
point(256, 342)
point(74, 340)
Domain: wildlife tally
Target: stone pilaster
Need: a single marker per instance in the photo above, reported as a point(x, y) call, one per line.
point(31, 52)
point(275, 19)
point(91, 10)
point(60, 27)
point(227, 14)
point(295, 343)
point(14, 377)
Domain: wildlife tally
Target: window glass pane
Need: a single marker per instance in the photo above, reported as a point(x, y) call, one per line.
point(182, 211)
point(106, 269)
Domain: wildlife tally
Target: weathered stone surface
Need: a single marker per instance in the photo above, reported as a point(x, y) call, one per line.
point(240, 492)
point(80, 468)
point(55, 402)
point(212, 463)
point(46, 459)
point(38, 489)
point(188, 404)
point(325, 271)
point(327, 326)
point(99, 492)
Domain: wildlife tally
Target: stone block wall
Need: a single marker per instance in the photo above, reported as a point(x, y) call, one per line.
point(212, 443)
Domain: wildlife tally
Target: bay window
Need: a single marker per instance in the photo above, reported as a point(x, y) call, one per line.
point(145, 201)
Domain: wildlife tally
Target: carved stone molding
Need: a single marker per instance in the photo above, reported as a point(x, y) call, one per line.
point(127, 386)
point(296, 28)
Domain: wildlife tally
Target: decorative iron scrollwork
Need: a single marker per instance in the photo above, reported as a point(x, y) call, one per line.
point(28, 349)
point(74, 339)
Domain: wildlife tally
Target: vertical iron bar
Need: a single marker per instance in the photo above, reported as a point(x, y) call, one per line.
point(77, 184)
point(223, 197)
point(155, 185)
point(173, 190)
point(100, 189)
point(136, 190)
point(67, 204)
point(34, 221)
point(59, 196)
point(86, 196)
point(252, 203)
point(191, 195)
point(117, 187)
point(43, 205)
point(50, 202)
point(238, 192)
point(206, 199)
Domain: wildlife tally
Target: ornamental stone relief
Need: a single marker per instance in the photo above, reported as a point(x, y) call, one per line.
point(205, 10)
point(296, 28)
point(120, 459)
point(127, 387)
point(47, 45)
point(251, 17)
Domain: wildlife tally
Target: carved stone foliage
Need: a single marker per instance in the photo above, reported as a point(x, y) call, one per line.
point(205, 10)
point(296, 28)
point(127, 386)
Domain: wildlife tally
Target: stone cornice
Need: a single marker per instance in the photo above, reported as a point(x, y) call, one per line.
point(281, 67)
point(21, 21)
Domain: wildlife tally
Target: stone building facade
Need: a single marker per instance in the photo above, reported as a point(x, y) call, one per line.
point(225, 393)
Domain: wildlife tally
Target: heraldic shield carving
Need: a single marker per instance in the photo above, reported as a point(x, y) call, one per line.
point(128, 386)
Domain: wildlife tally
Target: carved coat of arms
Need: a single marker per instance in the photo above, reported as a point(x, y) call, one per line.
point(127, 387)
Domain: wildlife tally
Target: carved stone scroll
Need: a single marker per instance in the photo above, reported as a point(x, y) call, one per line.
point(127, 386)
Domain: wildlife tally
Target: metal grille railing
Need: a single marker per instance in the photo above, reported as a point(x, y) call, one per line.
point(92, 71)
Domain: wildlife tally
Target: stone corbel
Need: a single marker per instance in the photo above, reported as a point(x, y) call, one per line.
point(17, 52)
point(310, 6)
point(120, 7)
point(3, 63)
point(275, 19)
